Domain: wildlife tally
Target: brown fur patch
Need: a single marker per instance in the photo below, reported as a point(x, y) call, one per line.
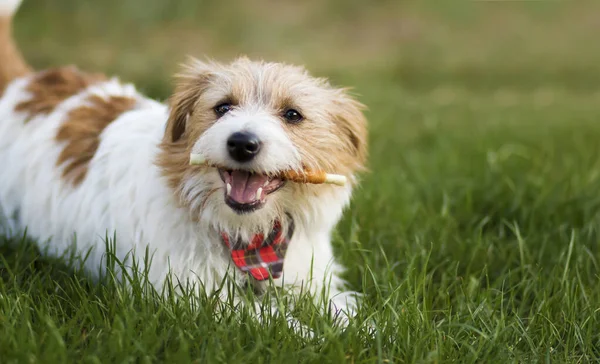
point(176, 145)
point(174, 161)
point(12, 64)
point(81, 132)
point(52, 87)
point(334, 142)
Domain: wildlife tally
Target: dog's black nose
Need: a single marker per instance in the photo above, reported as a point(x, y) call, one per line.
point(243, 146)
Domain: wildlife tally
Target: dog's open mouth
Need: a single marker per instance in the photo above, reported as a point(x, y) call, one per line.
point(247, 191)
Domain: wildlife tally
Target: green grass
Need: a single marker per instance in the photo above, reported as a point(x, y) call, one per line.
point(474, 238)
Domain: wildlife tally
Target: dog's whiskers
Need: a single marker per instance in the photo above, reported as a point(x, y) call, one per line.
point(205, 200)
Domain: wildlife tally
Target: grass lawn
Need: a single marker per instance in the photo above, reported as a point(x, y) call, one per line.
point(474, 237)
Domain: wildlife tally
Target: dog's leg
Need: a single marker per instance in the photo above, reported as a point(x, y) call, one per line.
point(263, 313)
point(310, 266)
point(263, 310)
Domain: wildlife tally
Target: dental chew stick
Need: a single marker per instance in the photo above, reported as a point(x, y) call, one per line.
point(314, 177)
point(197, 159)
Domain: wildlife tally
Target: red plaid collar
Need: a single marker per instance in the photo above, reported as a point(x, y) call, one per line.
point(262, 256)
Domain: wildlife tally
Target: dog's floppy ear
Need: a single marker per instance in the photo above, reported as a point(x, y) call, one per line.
point(191, 83)
point(348, 116)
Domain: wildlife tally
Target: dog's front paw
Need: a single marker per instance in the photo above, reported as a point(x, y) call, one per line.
point(343, 307)
point(264, 315)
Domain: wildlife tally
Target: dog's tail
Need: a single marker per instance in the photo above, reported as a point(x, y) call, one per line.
point(12, 64)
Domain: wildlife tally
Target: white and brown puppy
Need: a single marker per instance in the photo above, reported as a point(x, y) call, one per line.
point(86, 156)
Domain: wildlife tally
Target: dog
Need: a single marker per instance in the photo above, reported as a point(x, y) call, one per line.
point(86, 157)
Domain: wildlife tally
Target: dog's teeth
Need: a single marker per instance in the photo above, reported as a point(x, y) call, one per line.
point(228, 189)
point(259, 193)
point(266, 183)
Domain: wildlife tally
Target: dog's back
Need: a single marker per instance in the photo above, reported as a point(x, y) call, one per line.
point(77, 152)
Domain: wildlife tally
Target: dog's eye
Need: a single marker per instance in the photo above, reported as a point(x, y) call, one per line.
point(222, 109)
point(292, 116)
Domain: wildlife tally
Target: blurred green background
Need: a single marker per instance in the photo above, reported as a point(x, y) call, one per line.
point(419, 45)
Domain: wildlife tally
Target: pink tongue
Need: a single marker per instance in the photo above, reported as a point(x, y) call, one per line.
point(244, 186)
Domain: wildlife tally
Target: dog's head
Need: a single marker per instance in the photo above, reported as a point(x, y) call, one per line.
point(255, 120)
